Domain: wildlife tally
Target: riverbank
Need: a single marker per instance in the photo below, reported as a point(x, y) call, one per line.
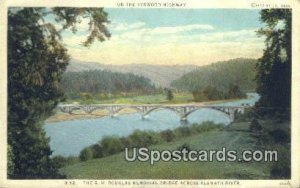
point(60, 116)
point(236, 137)
point(70, 137)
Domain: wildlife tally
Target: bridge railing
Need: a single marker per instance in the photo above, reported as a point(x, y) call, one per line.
point(182, 110)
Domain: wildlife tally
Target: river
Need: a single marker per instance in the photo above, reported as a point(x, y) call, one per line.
point(70, 137)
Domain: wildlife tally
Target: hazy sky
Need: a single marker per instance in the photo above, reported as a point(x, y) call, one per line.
point(172, 36)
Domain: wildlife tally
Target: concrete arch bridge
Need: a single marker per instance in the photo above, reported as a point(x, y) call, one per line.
point(183, 110)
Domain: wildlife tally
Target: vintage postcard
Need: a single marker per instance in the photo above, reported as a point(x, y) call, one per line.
point(150, 93)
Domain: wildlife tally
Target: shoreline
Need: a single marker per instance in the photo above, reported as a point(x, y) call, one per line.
point(60, 116)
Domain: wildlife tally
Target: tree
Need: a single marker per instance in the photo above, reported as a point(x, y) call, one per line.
point(212, 93)
point(199, 96)
point(167, 135)
point(274, 67)
point(234, 91)
point(219, 75)
point(255, 126)
point(86, 154)
point(103, 81)
point(170, 95)
point(281, 169)
point(36, 62)
point(111, 145)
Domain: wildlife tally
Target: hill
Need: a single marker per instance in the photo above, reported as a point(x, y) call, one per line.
point(220, 75)
point(160, 75)
point(103, 81)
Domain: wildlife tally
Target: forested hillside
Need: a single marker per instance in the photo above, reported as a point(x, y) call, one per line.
point(160, 75)
point(220, 75)
point(221, 80)
point(102, 81)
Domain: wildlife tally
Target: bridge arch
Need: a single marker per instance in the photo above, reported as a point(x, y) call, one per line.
point(225, 111)
point(137, 109)
point(161, 108)
point(72, 110)
point(181, 110)
point(98, 109)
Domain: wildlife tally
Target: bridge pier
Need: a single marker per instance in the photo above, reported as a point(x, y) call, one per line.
point(231, 114)
point(183, 111)
point(144, 116)
point(183, 115)
point(112, 115)
point(183, 119)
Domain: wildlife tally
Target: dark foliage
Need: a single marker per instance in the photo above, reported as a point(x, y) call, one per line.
point(167, 135)
point(169, 95)
point(280, 136)
point(282, 168)
point(143, 138)
point(212, 93)
point(185, 146)
point(36, 62)
point(86, 154)
point(220, 76)
point(112, 145)
point(255, 126)
point(61, 161)
point(274, 67)
point(103, 82)
point(182, 132)
point(97, 151)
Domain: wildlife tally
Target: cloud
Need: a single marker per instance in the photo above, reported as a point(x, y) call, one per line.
point(140, 28)
point(125, 26)
point(185, 44)
point(199, 53)
point(178, 29)
point(138, 33)
point(230, 36)
point(158, 36)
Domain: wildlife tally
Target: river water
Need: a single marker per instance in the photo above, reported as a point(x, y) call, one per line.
point(70, 137)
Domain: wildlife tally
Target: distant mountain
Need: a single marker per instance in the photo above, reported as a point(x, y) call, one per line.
point(160, 75)
point(220, 75)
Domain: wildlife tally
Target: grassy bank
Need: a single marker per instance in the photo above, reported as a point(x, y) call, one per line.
point(236, 137)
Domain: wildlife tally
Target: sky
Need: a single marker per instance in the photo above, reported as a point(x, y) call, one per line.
point(171, 36)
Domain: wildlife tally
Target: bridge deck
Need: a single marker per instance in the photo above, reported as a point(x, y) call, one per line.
point(183, 110)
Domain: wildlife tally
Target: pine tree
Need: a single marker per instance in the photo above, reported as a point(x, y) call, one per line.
point(36, 62)
point(274, 68)
point(170, 95)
